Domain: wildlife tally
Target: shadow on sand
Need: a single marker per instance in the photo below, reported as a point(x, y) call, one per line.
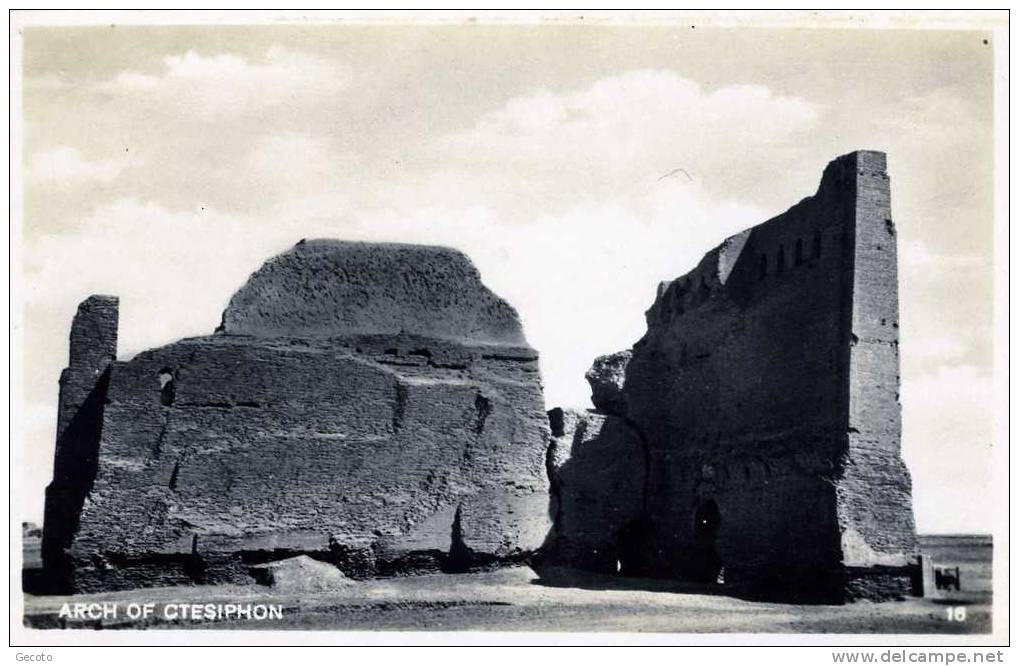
point(565, 577)
point(560, 576)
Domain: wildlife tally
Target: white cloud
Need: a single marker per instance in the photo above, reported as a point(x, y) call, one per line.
point(915, 255)
point(938, 116)
point(293, 166)
point(65, 164)
point(150, 257)
point(624, 112)
point(556, 197)
point(947, 439)
point(626, 130)
point(940, 348)
point(225, 84)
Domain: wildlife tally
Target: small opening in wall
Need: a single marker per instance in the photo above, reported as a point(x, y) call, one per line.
point(167, 391)
point(799, 251)
point(817, 244)
point(706, 522)
point(780, 261)
point(762, 269)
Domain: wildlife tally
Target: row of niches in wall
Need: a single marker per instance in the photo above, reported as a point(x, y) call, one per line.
point(686, 293)
point(722, 472)
point(691, 291)
point(799, 255)
point(749, 442)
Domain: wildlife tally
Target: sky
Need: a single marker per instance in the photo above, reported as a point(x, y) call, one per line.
point(164, 164)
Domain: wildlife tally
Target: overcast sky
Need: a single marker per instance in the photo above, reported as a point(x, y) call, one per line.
point(165, 164)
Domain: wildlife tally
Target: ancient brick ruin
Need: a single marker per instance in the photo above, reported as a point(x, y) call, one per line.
point(370, 405)
point(376, 407)
point(766, 392)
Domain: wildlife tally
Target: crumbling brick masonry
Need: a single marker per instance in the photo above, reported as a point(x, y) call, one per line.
point(766, 390)
point(369, 405)
point(377, 408)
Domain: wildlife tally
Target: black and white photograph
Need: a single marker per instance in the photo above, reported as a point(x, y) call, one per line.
point(510, 328)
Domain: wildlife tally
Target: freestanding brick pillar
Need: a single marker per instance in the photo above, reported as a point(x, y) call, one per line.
point(83, 386)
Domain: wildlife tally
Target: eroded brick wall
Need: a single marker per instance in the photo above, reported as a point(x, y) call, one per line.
point(293, 431)
point(766, 387)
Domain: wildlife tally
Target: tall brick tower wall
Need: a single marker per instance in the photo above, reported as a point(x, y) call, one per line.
point(767, 389)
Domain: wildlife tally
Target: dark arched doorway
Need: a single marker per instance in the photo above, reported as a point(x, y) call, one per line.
point(706, 522)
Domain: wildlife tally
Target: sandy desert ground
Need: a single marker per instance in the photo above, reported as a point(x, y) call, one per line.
point(518, 599)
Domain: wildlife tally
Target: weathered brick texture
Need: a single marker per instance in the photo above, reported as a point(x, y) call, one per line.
point(83, 386)
point(767, 388)
point(369, 405)
point(596, 465)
